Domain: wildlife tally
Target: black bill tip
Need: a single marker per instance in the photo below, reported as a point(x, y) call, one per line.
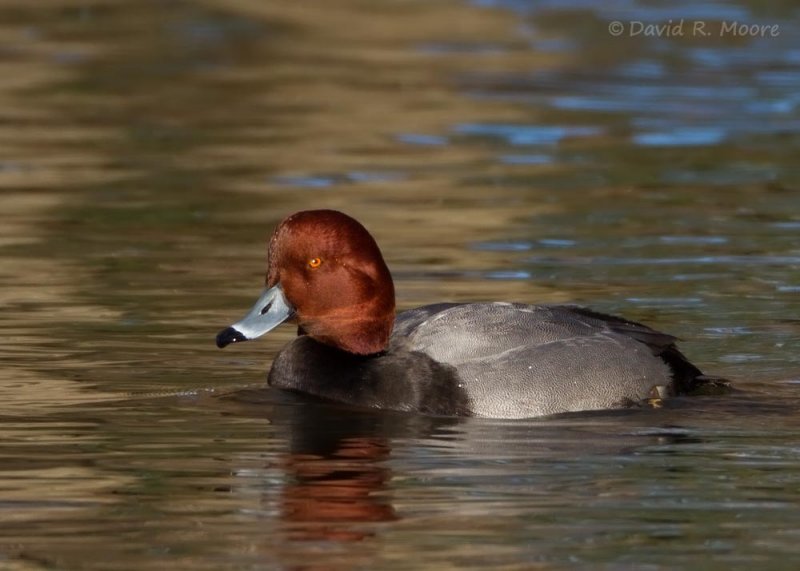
point(228, 336)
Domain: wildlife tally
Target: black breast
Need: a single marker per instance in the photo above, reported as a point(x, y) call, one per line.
point(395, 380)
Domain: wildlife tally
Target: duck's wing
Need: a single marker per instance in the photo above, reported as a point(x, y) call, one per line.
point(524, 360)
point(459, 332)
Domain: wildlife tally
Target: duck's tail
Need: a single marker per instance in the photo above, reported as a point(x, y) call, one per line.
point(689, 380)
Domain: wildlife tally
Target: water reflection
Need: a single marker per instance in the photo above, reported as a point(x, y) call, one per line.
point(334, 478)
point(334, 490)
point(335, 481)
point(526, 135)
point(336, 474)
point(498, 149)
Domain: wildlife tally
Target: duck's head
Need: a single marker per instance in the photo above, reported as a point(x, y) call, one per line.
point(326, 274)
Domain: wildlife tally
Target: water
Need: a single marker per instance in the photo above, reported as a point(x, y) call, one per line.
point(504, 150)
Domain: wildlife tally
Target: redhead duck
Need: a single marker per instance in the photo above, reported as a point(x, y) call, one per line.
point(501, 360)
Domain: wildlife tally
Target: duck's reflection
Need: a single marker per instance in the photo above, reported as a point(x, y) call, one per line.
point(334, 470)
point(328, 477)
point(334, 483)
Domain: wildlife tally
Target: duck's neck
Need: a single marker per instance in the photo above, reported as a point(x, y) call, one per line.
point(354, 336)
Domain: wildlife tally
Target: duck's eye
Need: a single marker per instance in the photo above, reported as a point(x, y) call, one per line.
point(314, 262)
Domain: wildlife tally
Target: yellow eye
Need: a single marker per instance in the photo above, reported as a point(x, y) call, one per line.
point(314, 262)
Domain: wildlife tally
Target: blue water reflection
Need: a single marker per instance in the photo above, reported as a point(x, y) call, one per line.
point(525, 135)
point(688, 91)
point(682, 136)
point(325, 181)
point(422, 139)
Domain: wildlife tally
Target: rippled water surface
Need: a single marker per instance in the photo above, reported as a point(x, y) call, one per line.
point(509, 150)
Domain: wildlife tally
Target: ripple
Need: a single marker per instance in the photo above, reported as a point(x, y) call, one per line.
point(374, 176)
point(642, 69)
point(740, 358)
point(724, 175)
point(682, 137)
point(779, 78)
point(532, 159)
point(665, 301)
point(307, 181)
point(422, 139)
point(738, 330)
point(789, 225)
point(522, 246)
point(508, 275)
point(327, 180)
point(502, 246)
point(450, 48)
point(772, 106)
point(704, 276)
point(555, 45)
point(700, 240)
point(687, 260)
point(526, 135)
point(557, 242)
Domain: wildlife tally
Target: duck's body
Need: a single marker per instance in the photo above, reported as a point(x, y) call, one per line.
point(499, 360)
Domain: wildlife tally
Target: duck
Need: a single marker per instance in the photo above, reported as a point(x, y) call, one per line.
point(327, 276)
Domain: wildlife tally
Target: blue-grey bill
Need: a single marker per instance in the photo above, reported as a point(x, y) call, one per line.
point(270, 310)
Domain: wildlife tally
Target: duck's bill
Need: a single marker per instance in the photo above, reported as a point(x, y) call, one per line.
point(270, 310)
